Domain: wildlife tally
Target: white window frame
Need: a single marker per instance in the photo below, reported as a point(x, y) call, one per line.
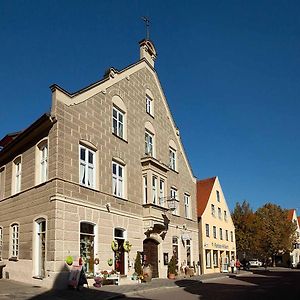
point(208, 259)
point(154, 189)
point(14, 240)
point(149, 143)
point(119, 121)
point(2, 182)
point(145, 189)
point(173, 159)
point(43, 162)
point(17, 174)
point(187, 205)
point(174, 195)
point(87, 167)
point(149, 105)
point(118, 179)
point(1, 242)
point(161, 191)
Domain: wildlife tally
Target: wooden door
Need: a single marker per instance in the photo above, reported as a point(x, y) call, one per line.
point(150, 249)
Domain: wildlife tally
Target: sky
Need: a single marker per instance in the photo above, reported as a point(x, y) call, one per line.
point(230, 71)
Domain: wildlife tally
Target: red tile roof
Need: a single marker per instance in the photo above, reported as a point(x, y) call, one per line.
point(290, 214)
point(204, 188)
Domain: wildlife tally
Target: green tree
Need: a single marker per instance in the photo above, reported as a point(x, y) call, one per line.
point(275, 233)
point(244, 220)
point(138, 264)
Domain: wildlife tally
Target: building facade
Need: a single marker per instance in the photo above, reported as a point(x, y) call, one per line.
point(216, 229)
point(104, 168)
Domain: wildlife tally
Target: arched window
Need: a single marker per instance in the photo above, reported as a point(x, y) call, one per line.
point(119, 120)
point(42, 161)
point(172, 155)
point(17, 173)
point(40, 248)
point(14, 249)
point(149, 103)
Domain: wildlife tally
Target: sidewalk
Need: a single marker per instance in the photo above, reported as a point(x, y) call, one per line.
point(10, 289)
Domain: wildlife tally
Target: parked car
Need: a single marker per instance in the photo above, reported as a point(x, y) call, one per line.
point(255, 263)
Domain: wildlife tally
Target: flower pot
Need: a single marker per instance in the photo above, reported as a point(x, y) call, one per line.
point(171, 276)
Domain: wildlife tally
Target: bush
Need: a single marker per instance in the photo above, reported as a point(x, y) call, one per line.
point(138, 264)
point(172, 266)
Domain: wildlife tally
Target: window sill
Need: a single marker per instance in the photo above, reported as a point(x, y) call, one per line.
point(120, 198)
point(38, 277)
point(13, 259)
point(120, 138)
point(175, 171)
point(149, 114)
point(88, 187)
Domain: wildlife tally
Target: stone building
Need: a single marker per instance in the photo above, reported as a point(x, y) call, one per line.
point(105, 164)
point(216, 228)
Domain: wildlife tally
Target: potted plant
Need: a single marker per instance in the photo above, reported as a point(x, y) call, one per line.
point(138, 266)
point(172, 269)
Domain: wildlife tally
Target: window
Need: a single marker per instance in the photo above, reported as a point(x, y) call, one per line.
point(188, 253)
point(149, 143)
point(154, 189)
point(149, 105)
point(14, 240)
point(218, 196)
point(172, 157)
point(118, 179)
point(17, 173)
point(87, 243)
point(208, 258)
point(215, 231)
point(118, 122)
point(161, 191)
point(87, 166)
point(207, 230)
point(187, 208)
point(225, 215)
point(231, 236)
point(173, 194)
point(43, 162)
point(145, 189)
point(2, 182)
point(221, 234)
point(215, 258)
point(219, 213)
point(40, 249)
point(226, 235)
point(1, 242)
point(213, 210)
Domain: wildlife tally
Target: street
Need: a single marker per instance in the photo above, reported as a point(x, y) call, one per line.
point(275, 283)
point(270, 284)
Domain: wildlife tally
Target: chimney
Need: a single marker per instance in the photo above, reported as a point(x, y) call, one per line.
point(147, 51)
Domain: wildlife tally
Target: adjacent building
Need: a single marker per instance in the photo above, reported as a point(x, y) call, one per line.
point(103, 169)
point(216, 229)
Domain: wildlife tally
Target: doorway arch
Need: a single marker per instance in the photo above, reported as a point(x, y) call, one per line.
point(150, 250)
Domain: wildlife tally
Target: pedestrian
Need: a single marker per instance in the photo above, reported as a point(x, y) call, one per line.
point(232, 264)
point(238, 265)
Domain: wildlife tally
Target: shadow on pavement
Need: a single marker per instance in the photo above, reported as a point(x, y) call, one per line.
point(268, 284)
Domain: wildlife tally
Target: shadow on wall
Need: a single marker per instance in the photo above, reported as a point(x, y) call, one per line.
point(61, 291)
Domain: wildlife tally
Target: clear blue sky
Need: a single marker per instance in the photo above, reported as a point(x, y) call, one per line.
point(230, 71)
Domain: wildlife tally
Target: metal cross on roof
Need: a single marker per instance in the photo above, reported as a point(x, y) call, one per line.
point(147, 23)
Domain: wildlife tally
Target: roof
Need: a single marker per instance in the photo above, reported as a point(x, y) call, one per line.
point(204, 188)
point(298, 220)
point(8, 138)
point(290, 214)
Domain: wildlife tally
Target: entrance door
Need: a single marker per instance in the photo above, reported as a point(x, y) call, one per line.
point(151, 255)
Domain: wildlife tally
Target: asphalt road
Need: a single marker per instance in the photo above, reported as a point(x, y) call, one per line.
point(273, 284)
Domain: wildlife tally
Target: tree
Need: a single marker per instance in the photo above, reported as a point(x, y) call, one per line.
point(245, 229)
point(138, 264)
point(275, 233)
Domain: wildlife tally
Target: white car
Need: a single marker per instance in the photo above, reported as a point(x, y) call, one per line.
point(255, 263)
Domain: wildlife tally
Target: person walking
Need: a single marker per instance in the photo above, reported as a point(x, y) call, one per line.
point(238, 265)
point(232, 264)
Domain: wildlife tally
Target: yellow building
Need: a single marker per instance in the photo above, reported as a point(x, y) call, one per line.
point(216, 229)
